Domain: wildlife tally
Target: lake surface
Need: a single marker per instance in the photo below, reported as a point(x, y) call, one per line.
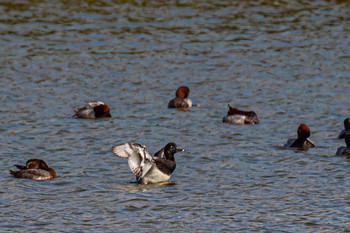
point(289, 61)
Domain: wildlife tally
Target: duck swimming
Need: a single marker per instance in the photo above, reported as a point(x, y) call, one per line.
point(239, 117)
point(92, 110)
point(302, 141)
point(346, 129)
point(148, 169)
point(181, 101)
point(344, 150)
point(35, 169)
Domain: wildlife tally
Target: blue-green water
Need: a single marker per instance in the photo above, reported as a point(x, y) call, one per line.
point(287, 61)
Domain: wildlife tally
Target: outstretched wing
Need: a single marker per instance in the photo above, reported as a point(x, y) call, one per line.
point(139, 160)
point(124, 150)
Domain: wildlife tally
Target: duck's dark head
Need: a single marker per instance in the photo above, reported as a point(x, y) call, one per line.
point(303, 131)
point(182, 92)
point(253, 118)
point(102, 110)
point(36, 164)
point(347, 124)
point(170, 149)
point(53, 173)
point(43, 165)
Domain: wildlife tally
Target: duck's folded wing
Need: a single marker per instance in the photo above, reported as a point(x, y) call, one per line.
point(289, 143)
point(77, 111)
point(88, 106)
point(80, 109)
point(34, 174)
point(310, 143)
point(340, 150)
point(93, 104)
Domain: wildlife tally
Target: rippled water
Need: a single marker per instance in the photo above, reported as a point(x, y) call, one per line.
point(287, 60)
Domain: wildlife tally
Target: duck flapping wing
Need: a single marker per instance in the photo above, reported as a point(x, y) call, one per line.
point(139, 159)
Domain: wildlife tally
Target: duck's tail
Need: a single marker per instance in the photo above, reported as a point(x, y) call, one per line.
point(14, 173)
point(20, 167)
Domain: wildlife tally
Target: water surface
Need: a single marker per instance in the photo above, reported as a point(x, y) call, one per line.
point(287, 61)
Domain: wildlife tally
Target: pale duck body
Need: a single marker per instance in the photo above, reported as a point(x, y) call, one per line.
point(180, 103)
point(239, 117)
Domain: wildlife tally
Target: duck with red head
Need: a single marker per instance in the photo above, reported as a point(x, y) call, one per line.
point(302, 141)
point(35, 169)
point(239, 117)
point(344, 150)
point(92, 110)
point(181, 100)
point(346, 129)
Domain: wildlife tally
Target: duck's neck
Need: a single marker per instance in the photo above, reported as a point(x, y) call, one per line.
point(348, 145)
point(167, 166)
point(169, 156)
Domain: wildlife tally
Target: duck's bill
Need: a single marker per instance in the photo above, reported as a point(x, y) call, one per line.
point(180, 150)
